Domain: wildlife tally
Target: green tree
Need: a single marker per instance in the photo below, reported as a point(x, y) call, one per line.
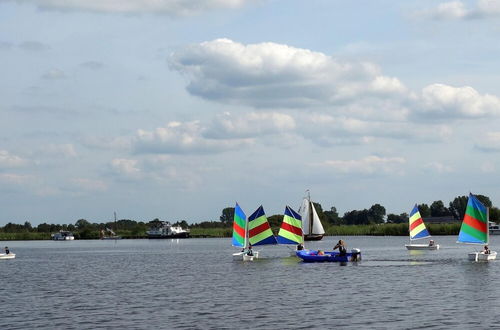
point(458, 206)
point(332, 217)
point(394, 218)
point(376, 213)
point(227, 215)
point(439, 210)
point(81, 224)
point(424, 210)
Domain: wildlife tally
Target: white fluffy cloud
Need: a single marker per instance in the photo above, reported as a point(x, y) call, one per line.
point(458, 10)
point(446, 101)
point(367, 165)
point(167, 7)
point(490, 141)
point(89, 185)
point(8, 160)
point(181, 138)
point(277, 75)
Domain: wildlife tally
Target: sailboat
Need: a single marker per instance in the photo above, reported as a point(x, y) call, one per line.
point(311, 225)
point(108, 233)
point(290, 232)
point(256, 231)
point(475, 230)
point(417, 231)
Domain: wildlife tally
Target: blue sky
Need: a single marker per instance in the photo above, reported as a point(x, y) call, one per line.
point(178, 108)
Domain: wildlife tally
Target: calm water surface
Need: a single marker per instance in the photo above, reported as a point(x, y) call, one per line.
point(194, 284)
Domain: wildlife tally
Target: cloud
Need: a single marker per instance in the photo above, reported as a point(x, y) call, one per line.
point(458, 10)
point(33, 46)
point(92, 65)
point(367, 165)
point(276, 75)
point(66, 150)
point(490, 141)
point(438, 167)
point(127, 167)
point(8, 160)
point(89, 185)
point(249, 125)
point(4, 45)
point(167, 7)
point(270, 75)
point(54, 74)
point(181, 138)
point(445, 101)
point(16, 179)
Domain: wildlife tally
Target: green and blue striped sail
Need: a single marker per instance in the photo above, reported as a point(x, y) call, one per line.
point(259, 231)
point(291, 228)
point(474, 228)
point(239, 227)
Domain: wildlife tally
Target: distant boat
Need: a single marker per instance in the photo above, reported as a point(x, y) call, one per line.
point(108, 233)
point(167, 230)
point(256, 231)
point(417, 230)
point(63, 235)
point(475, 229)
point(7, 254)
point(311, 224)
point(290, 232)
point(494, 228)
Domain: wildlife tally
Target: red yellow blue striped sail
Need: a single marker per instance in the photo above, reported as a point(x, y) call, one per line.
point(417, 226)
point(239, 227)
point(259, 231)
point(291, 228)
point(474, 228)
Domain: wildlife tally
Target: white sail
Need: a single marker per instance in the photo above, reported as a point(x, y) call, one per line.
point(305, 214)
point(317, 227)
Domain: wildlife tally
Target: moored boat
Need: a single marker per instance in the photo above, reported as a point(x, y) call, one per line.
point(311, 224)
point(166, 230)
point(494, 228)
point(63, 235)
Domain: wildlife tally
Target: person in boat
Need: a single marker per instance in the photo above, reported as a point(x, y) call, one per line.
point(249, 251)
point(486, 250)
point(321, 253)
point(341, 246)
point(431, 242)
point(7, 251)
point(300, 247)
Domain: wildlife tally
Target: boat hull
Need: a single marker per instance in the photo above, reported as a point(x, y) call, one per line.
point(7, 256)
point(313, 237)
point(481, 256)
point(312, 256)
point(180, 235)
point(238, 256)
point(422, 247)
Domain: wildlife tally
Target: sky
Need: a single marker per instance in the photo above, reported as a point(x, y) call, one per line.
point(176, 109)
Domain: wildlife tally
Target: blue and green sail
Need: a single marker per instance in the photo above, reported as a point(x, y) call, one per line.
point(239, 227)
point(474, 228)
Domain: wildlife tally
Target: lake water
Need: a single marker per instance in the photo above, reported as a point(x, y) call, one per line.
point(194, 284)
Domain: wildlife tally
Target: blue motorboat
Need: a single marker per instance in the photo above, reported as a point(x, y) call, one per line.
point(327, 256)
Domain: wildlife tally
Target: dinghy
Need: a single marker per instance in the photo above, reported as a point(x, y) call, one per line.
point(475, 229)
point(290, 232)
point(313, 256)
point(418, 231)
point(7, 256)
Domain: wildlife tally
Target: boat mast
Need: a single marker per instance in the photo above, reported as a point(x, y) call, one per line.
point(310, 213)
point(487, 226)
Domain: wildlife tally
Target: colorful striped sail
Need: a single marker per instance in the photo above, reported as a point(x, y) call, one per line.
point(259, 231)
point(474, 228)
point(291, 228)
point(417, 226)
point(239, 227)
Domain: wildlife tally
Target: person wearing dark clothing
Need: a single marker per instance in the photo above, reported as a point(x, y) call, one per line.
point(341, 246)
point(300, 247)
point(250, 251)
point(7, 251)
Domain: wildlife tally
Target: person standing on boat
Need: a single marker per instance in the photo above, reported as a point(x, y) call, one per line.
point(7, 251)
point(341, 246)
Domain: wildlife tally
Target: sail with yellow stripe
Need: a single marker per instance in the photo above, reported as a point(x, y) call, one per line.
point(259, 231)
point(417, 226)
point(291, 228)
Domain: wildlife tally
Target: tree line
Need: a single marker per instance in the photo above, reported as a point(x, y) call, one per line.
point(376, 214)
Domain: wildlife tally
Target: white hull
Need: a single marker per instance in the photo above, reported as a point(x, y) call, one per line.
point(481, 256)
point(243, 256)
point(422, 247)
point(7, 256)
point(494, 231)
point(70, 238)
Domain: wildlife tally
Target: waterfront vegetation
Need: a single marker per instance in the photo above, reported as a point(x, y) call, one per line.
point(373, 222)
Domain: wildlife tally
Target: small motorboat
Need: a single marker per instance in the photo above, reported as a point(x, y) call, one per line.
point(328, 256)
point(7, 255)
